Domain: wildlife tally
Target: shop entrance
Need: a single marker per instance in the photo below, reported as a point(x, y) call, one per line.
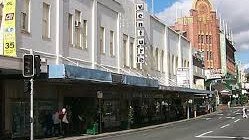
point(82, 112)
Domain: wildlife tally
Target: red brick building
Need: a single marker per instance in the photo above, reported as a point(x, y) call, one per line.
point(202, 29)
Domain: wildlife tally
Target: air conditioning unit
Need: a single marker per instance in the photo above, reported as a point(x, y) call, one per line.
point(77, 24)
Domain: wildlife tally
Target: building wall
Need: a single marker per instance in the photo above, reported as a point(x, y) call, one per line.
point(203, 22)
point(117, 16)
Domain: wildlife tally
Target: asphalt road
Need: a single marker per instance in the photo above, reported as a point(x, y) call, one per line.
point(223, 126)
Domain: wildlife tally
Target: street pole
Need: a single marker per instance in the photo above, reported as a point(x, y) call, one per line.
point(210, 86)
point(31, 110)
point(188, 112)
point(100, 117)
point(31, 105)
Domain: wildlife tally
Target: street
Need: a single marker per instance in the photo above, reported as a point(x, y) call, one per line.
point(226, 125)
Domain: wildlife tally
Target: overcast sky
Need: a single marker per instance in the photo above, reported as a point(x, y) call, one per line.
point(234, 12)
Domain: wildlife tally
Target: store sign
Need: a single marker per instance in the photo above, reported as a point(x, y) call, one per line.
point(182, 77)
point(213, 74)
point(9, 28)
point(140, 34)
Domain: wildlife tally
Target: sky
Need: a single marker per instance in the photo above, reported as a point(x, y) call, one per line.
point(234, 12)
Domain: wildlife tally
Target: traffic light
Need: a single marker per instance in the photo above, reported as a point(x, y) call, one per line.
point(27, 87)
point(28, 65)
point(37, 65)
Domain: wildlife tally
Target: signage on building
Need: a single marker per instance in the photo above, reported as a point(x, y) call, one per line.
point(8, 44)
point(182, 77)
point(213, 74)
point(140, 34)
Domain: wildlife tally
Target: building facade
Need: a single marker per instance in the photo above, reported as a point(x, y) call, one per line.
point(89, 47)
point(202, 29)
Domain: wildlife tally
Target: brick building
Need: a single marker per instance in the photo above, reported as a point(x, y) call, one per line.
point(202, 28)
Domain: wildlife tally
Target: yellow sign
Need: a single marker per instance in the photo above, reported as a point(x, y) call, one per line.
point(9, 28)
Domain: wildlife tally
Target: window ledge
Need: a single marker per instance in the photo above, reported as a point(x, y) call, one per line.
point(46, 38)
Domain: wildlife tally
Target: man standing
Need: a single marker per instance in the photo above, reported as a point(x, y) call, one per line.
point(244, 111)
point(56, 121)
point(65, 122)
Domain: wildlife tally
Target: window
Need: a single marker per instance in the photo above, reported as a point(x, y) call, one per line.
point(70, 29)
point(102, 40)
point(173, 64)
point(210, 39)
point(162, 61)
point(131, 53)
point(111, 43)
point(157, 59)
point(1, 14)
point(202, 38)
point(199, 38)
point(25, 15)
point(77, 29)
point(176, 62)
point(208, 55)
point(185, 63)
point(207, 39)
point(211, 56)
point(125, 37)
point(84, 34)
point(46, 21)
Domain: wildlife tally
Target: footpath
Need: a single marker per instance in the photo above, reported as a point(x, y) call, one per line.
point(102, 135)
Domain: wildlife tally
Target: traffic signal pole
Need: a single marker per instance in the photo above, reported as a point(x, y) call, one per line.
point(32, 105)
point(32, 109)
point(31, 69)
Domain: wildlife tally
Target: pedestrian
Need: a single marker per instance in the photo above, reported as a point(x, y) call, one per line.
point(57, 122)
point(64, 120)
point(244, 112)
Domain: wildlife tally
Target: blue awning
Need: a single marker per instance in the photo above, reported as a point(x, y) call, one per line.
point(73, 72)
point(185, 90)
point(78, 73)
point(140, 81)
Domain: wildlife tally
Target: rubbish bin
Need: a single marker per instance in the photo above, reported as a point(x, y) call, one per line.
point(92, 129)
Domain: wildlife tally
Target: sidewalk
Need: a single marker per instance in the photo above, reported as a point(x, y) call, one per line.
point(90, 137)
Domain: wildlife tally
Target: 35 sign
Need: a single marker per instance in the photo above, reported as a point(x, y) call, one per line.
point(9, 45)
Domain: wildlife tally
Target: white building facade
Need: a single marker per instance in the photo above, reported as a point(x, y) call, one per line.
point(96, 35)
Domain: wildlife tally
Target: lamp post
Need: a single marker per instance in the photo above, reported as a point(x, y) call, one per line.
point(100, 96)
point(190, 101)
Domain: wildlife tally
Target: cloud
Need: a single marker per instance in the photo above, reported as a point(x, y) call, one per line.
point(234, 12)
point(179, 8)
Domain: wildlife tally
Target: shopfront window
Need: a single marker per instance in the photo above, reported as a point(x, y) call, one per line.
point(20, 119)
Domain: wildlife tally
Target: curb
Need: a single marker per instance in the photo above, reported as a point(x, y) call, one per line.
point(90, 137)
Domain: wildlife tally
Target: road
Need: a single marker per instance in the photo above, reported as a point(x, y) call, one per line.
point(223, 126)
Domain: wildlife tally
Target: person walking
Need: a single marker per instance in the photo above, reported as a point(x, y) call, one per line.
point(57, 122)
point(244, 112)
point(64, 121)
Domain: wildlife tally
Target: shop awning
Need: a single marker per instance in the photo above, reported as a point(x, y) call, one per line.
point(185, 90)
point(78, 73)
point(140, 81)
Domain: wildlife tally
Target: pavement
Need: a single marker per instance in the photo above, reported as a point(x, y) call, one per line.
point(166, 129)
